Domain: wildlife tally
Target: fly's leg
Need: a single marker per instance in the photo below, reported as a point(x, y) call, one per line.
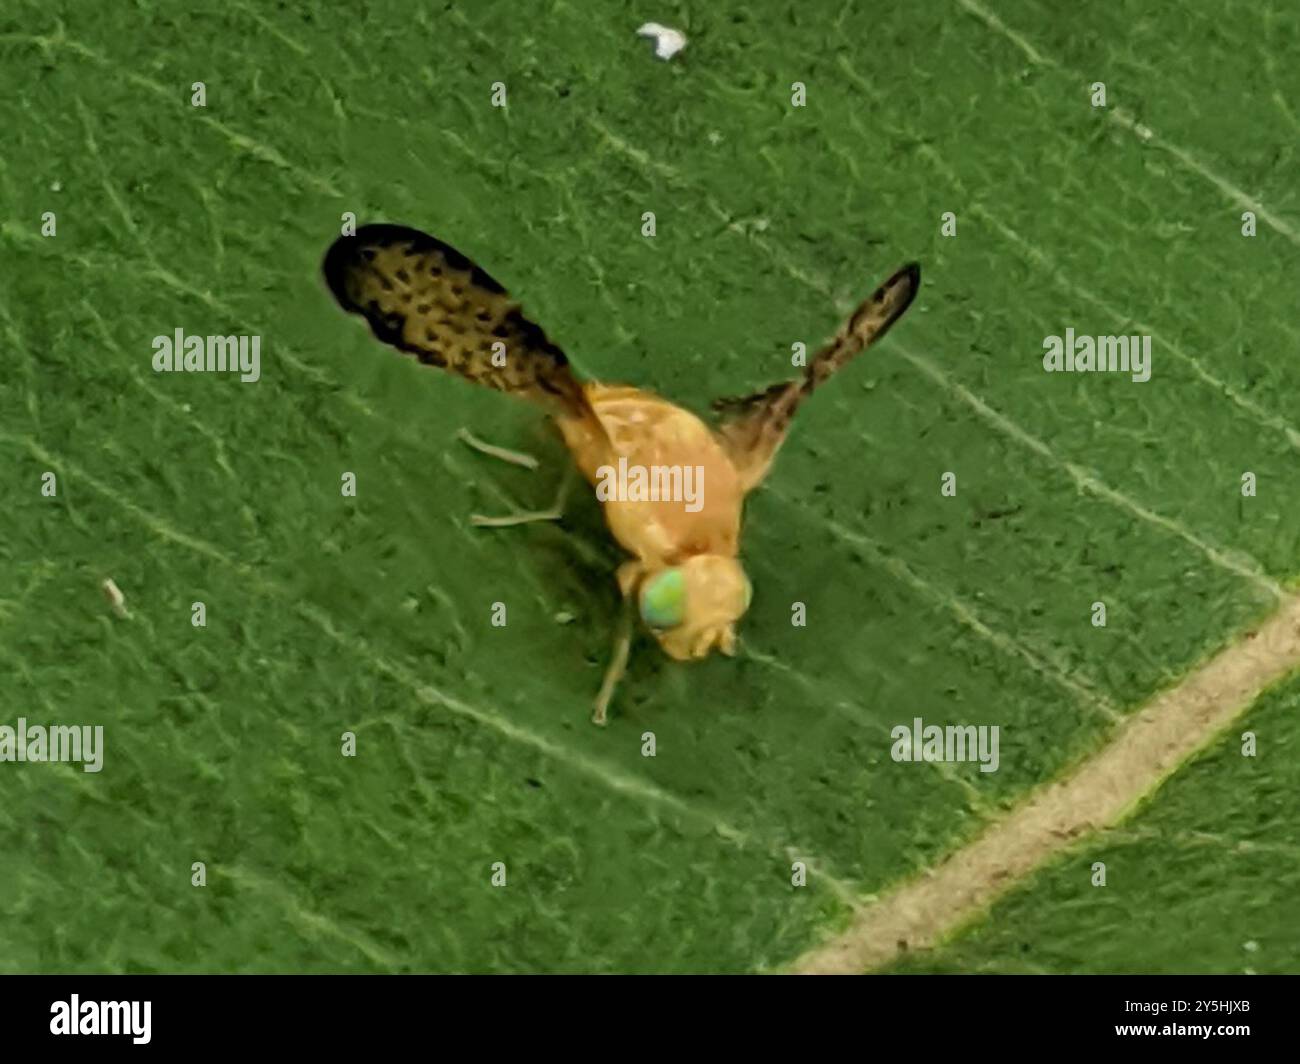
point(518, 458)
point(520, 517)
point(523, 517)
point(617, 664)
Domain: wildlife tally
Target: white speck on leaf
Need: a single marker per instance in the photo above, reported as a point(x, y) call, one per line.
point(115, 598)
point(668, 42)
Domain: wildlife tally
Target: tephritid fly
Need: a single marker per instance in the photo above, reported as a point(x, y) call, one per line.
point(428, 300)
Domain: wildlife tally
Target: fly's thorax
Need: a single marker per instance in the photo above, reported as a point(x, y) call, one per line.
point(667, 487)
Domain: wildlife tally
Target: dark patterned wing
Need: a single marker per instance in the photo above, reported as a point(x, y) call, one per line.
point(427, 299)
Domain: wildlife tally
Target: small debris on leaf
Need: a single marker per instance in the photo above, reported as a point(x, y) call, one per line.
point(116, 599)
point(668, 42)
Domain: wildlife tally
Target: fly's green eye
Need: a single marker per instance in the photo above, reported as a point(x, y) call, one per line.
point(663, 600)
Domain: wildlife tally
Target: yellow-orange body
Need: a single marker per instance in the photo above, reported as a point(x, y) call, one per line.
point(648, 431)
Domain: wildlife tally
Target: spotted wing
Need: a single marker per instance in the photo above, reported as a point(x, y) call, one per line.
point(426, 299)
point(753, 428)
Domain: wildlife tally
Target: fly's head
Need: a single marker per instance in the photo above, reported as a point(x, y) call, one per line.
point(692, 608)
